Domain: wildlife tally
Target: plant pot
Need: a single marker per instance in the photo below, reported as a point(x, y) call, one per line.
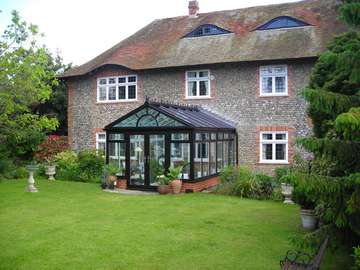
point(164, 189)
point(308, 219)
point(286, 191)
point(50, 171)
point(176, 186)
point(121, 183)
point(103, 185)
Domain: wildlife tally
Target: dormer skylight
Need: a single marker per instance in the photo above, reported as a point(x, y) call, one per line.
point(207, 30)
point(282, 22)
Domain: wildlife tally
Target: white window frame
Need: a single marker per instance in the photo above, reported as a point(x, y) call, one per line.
point(263, 74)
point(117, 84)
point(197, 80)
point(273, 142)
point(98, 140)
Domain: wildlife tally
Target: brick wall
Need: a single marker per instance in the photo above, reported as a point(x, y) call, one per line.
point(201, 185)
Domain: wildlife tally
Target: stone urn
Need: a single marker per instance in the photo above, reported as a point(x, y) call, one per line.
point(31, 181)
point(286, 191)
point(50, 171)
point(308, 219)
point(176, 186)
point(164, 189)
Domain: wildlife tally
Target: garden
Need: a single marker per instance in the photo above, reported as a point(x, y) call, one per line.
point(249, 221)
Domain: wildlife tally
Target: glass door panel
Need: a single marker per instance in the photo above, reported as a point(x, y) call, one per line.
point(156, 157)
point(137, 160)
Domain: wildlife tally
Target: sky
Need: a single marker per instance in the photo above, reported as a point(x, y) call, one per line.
point(82, 29)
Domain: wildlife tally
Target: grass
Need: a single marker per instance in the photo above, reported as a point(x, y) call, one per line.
point(68, 225)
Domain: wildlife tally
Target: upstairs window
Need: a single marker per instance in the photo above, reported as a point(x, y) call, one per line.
point(273, 147)
point(273, 81)
point(282, 22)
point(198, 84)
point(114, 89)
point(207, 30)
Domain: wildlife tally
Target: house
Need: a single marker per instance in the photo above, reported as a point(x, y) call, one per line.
point(203, 90)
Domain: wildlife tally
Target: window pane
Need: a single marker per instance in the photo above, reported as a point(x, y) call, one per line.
point(219, 156)
point(132, 79)
point(101, 148)
point(132, 92)
point(180, 156)
point(205, 158)
point(280, 84)
point(117, 136)
point(220, 136)
point(101, 136)
point(203, 74)
point(231, 153)
point(280, 136)
point(267, 136)
point(267, 151)
point(191, 88)
point(191, 74)
point(102, 93)
point(180, 136)
point(212, 157)
point(122, 92)
point(102, 81)
point(226, 135)
point(202, 136)
point(280, 151)
point(213, 136)
point(197, 160)
point(117, 156)
point(266, 84)
point(204, 87)
point(122, 80)
point(112, 93)
point(226, 153)
point(112, 80)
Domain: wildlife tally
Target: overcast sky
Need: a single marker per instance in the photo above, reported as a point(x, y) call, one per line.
point(82, 29)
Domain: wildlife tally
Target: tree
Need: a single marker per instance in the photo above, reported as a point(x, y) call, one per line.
point(25, 80)
point(333, 95)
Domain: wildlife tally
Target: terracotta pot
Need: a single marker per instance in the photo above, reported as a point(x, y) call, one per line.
point(308, 219)
point(176, 186)
point(121, 183)
point(164, 189)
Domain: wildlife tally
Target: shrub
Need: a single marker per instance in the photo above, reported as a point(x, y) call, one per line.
point(240, 181)
point(67, 166)
point(91, 166)
point(48, 149)
point(357, 258)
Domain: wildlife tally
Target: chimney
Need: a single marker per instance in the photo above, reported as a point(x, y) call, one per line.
point(193, 8)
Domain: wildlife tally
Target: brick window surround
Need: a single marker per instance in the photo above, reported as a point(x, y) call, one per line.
point(291, 140)
point(290, 82)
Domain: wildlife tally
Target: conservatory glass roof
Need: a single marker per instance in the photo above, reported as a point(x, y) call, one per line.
point(153, 114)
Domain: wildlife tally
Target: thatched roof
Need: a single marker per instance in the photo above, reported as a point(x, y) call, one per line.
point(162, 44)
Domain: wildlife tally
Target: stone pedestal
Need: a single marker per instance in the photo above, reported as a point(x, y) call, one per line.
point(31, 183)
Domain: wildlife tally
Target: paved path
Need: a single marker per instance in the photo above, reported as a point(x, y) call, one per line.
point(131, 192)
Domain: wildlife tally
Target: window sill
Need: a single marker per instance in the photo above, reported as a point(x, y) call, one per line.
point(273, 163)
point(116, 101)
point(197, 98)
point(273, 96)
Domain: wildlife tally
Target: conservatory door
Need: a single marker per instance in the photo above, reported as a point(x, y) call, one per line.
point(147, 159)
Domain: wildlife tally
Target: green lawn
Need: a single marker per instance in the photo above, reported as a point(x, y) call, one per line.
point(70, 225)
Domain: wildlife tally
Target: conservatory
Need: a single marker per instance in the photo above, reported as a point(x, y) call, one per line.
point(147, 141)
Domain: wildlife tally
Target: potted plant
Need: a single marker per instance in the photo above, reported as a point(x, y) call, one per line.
point(175, 182)
point(287, 188)
point(303, 196)
point(111, 172)
point(163, 184)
